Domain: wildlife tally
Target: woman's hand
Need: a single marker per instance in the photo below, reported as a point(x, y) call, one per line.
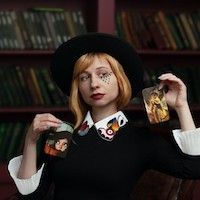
point(40, 124)
point(176, 97)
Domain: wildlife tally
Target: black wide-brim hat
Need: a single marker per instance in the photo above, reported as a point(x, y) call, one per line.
point(65, 56)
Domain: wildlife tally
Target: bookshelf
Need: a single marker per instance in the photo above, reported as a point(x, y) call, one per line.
point(94, 13)
point(184, 60)
point(100, 16)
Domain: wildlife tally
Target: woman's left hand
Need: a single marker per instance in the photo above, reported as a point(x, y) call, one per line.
point(176, 97)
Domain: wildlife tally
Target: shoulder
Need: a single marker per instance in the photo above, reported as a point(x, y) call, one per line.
point(134, 132)
point(142, 133)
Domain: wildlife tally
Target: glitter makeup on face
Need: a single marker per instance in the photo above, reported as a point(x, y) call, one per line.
point(106, 78)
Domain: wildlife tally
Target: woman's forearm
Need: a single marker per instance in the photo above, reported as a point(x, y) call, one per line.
point(185, 118)
point(29, 161)
point(40, 124)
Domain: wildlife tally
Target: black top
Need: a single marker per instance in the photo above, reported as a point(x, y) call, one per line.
point(95, 169)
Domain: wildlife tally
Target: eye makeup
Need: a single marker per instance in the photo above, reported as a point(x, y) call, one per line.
point(105, 77)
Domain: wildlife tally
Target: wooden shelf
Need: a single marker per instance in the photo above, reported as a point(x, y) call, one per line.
point(56, 109)
point(33, 109)
point(28, 113)
point(150, 52)
point(26, 53)
point(184, 53)
point(64, 108)
point(155, 5)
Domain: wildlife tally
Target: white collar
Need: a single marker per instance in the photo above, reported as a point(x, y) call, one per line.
point(106, 128)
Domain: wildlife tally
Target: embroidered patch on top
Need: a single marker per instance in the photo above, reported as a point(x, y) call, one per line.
point(113, 126)
point(83, 129)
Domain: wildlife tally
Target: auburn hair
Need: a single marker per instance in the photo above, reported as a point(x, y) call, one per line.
point(76, 104)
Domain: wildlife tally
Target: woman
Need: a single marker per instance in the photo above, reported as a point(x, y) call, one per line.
point(108, 154)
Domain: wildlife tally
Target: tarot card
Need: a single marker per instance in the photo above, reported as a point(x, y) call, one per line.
point(59, 139)
point(155, 104)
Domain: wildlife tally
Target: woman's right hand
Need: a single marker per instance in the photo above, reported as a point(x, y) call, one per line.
point(40, 124)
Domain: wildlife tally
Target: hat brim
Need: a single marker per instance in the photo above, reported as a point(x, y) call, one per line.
point(64, 58)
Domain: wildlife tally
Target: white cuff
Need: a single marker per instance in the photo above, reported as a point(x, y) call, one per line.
point(25, 186)
point(188, 141)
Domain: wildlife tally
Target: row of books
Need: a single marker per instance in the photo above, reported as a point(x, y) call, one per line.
point(25, 86)
point(39, 28)
point(11, 139)
point(22, 86)
point(189, 75)
point(161, 30)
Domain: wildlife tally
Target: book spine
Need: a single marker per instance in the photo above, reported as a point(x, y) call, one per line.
point(12, 41)
point(154, 30)
point(49, 40)
point(166, 29)
point(43, 87)
point(31, 86)
point(29, 29)
point(24, 86)
point(50, 21)
point(55, 94)
point(20, 42)
point(188, 31)
point(182, 32)
point(24, 30)
point(129, 32)
point(40, 33)
point(175, 31)
point(36, 86)
point(4, 30)
point(70, 24)
point(162, 32)
point(81, 22)
point(1, 32)
point(35, 32)
point(193, 29)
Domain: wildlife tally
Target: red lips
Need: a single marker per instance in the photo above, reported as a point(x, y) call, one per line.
point(97, 96)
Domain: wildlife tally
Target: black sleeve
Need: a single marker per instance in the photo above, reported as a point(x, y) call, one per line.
point(167, 157)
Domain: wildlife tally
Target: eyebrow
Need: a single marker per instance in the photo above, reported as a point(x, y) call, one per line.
point(102, 67)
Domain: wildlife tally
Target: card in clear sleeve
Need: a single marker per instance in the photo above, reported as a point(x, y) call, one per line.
point(155, 104)
point(58, 140)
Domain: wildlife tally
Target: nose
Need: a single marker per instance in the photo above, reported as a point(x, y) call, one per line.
point(94, 84)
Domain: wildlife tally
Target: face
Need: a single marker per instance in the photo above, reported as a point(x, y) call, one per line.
point(61, 144)
point(98, 85)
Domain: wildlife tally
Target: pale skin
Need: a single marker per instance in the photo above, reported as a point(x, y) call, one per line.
point(99, 88)
point(176, 98)
point(61, 144)
point(98, 78)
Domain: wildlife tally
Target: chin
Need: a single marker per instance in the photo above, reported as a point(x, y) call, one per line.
point(103, 105)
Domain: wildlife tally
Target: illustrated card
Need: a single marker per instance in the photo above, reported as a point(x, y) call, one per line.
point(59, 139)
point(155, 104)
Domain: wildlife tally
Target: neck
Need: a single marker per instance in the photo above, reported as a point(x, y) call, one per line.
point(100, 113)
